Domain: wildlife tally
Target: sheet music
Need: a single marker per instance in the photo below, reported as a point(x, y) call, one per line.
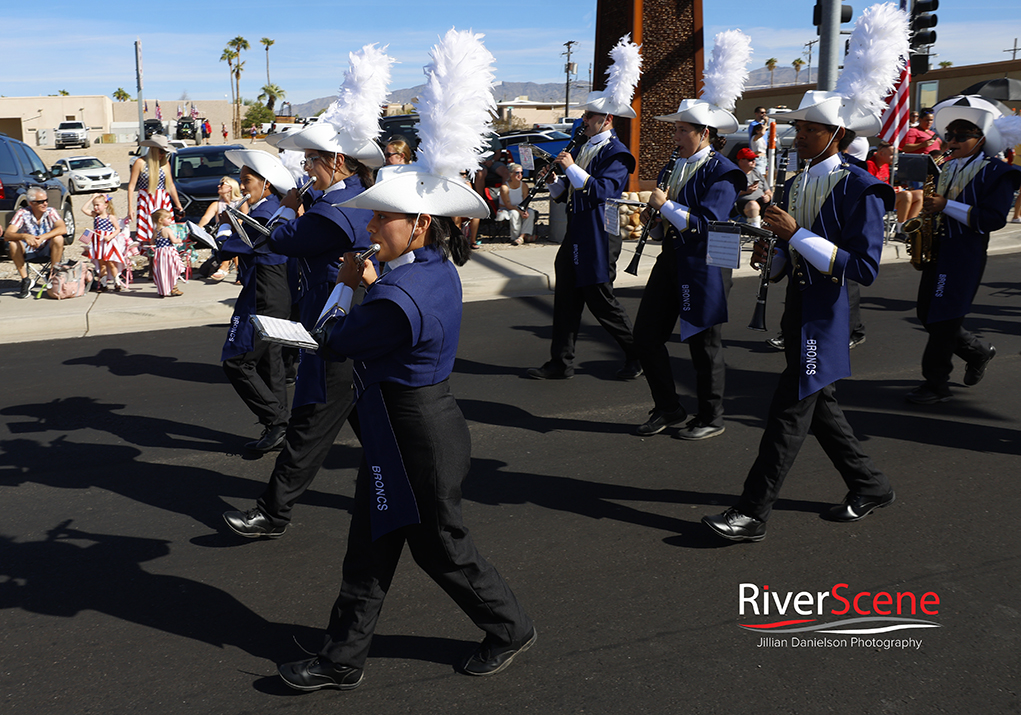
point(285, 332)
point(201, 234)
point(724, 247)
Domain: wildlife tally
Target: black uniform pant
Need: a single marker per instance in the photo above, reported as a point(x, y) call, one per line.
point(434, 441)
point(258, 378)
point(310, 434)
point(657, 318)
point(787, 426)
point(569, 300)
point(946, 337)
point(854, 310)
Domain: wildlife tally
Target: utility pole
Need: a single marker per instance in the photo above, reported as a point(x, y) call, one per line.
point(808, 52)
point(138, 80)
point(567, 71)
point(829, 43)
point(1014, 50)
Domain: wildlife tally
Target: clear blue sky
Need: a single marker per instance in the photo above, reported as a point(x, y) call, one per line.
point(87, 48)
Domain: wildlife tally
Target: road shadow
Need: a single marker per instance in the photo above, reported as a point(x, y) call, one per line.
point(123, 364)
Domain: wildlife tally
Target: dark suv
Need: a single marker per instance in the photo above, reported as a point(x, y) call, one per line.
point(20, 169)
point(153, 126)
point(185, 128)
point(197, 171)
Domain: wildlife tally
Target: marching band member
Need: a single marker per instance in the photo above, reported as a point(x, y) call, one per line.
point(253, 365)
point(340, 151)
point(586, 263)
point(403, 340)
point(972, 199)
point(701, 187)
point(830, 231)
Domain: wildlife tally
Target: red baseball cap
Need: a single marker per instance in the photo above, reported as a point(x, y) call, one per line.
point(746, 153)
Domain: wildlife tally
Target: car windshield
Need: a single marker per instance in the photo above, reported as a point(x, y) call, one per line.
point(90, 163)
point(187, 166)
point(556, 136)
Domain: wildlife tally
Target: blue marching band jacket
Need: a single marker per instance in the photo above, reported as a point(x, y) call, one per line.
point(851, 217)
point(406, 332)
point(254, 297)
point(318, 239)
point(709, 195)
point(586, 236)
point(961, 247)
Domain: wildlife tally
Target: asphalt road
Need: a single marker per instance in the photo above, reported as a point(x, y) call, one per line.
point(120, 593)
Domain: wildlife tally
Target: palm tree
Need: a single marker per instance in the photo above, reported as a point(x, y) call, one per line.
point(63, 93)
point(771, 64)
point(944, 64)
point(798, 64)
point(268, 43)
point(238, 44)
point(270, 94)
point(120, 95)
point(229, 56)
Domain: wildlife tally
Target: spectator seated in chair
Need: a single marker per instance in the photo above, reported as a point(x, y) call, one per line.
point(35, 231)
point(751, 201)
point(909, 201)
point(512, 193)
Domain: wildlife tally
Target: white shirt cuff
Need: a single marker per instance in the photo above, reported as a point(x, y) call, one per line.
point(957, 211)
point(577, 175)
point(818, 251)
point(284, 213)
point(676, 214)
point(556, 188)
point(339, 302)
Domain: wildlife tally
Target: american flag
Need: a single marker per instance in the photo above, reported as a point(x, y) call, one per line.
point(194, 111)
point(159, 112)
point(180, 112)
point(146, 106)
point(896, 117)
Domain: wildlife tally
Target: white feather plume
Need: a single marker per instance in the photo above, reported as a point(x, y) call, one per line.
point(292, 162)
point(878, 46)
point(1010, 129)
point(361, 96)
point(456, 107)
point(623, 73)
point(725, 77)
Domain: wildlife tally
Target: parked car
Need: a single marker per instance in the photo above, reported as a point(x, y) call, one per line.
point(153, 126)
point(399, 125)
point(197, 171)
point(548, 140)
point(185, 128)
point(72, 134)
point(87, 173)
point(20, 169)
point(178, 143)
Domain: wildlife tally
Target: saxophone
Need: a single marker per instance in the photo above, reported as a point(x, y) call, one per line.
point(922, 229)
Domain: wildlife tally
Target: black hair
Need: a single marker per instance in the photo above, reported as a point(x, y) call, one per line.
point(272, 189)
point(450, 239)
point(366, 175)
point(845, 141)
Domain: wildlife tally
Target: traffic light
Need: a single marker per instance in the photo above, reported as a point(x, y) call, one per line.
point(922, 36)
point(846, 13)
point(921, 21)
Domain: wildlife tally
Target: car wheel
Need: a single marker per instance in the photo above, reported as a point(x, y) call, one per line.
point(67, 213)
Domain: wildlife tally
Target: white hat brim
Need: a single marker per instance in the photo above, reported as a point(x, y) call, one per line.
point(697, 111)
point(265, 165)
point(410, 190)
point(600, 104)
point(834, 110)
point(155, 143)
point(322, 136)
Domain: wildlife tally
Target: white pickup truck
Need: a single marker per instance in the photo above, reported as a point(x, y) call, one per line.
point(72, 134)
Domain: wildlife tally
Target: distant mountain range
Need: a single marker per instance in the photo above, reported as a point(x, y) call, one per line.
point(554, 91)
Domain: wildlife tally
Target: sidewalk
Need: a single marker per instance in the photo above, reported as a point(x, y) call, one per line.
point(497, 271)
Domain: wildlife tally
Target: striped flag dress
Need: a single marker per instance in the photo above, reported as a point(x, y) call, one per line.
point(166, 265)
point(149, 201)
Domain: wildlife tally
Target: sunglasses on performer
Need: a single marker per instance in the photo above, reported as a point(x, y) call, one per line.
point(960, 136)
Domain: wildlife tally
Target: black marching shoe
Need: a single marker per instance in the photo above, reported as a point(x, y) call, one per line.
point(490, 659)
point(252, 524)
point(272, 438)
point(977, 370)
point(856, 507)
point(735, 526)
point(317, 674)
point(548, 372)
point(776, 343)
point(924, 394)
point(660, 420)
point(632, 370)
point(855, 341)
point(697, 429)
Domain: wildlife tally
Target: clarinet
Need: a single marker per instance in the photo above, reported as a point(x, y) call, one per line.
point(758, 321)
point(577, 140)
point(647, 228)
